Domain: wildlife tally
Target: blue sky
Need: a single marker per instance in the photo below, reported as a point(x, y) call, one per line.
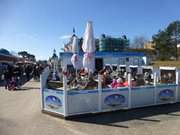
point(38, 25)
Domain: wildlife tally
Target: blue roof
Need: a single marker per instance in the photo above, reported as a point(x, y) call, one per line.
point(101, 54)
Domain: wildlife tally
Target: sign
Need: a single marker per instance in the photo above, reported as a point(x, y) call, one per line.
point(166, 95)
point(53, 102)
point(114, 100)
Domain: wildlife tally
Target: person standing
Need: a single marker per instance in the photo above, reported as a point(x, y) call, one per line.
point(7, 78)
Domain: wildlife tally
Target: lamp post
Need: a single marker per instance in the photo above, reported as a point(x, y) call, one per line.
point(54, 63)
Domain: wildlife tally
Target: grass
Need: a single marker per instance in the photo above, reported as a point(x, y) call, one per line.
point(166, 63)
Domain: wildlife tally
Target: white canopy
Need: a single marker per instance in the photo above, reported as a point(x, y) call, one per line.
point(89, 48)
point(88, 41)
point(75, 59)
point(75, 47)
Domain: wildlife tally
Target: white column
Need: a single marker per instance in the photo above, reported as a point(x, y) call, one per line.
point(65, 95)
point(129, 93)
point(155, 90)
point(99, 93)
point(43, 81)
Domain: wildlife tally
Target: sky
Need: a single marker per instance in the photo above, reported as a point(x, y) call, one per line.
point(38, 26)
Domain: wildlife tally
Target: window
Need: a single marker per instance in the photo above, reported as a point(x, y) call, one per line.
point(127, 59)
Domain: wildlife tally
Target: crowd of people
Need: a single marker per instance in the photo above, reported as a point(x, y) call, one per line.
point(14, 76)
point(115, 79)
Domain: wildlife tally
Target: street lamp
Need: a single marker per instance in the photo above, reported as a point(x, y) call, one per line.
point(54, 63)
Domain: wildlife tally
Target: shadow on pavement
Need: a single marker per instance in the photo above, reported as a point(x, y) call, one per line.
point(26, 88)
point(116, 118)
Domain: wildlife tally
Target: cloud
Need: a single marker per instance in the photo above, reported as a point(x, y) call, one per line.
point(65, 37)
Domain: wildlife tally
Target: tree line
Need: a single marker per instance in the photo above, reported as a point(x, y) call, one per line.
point(27, 55)
point(166, 41)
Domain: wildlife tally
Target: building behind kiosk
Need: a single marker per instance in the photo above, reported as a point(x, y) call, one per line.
point(112, 58)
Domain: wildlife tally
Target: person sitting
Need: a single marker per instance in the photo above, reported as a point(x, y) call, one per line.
point(101, 72)
point(114, 82)
point(91, 84)
point(139, 80)
point(126, 84)
point(170, 78)
point(164, 78)
point(147, 78)
point(133, 82)
point(106, 79)
point(120, 83)
point(83, 72)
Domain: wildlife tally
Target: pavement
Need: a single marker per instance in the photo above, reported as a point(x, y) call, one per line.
point(20, 114)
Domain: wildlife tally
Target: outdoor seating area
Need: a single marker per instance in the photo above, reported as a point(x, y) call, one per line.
point(111, 90)
point(112, 77)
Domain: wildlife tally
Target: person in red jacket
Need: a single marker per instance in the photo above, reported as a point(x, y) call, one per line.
point(114, 82)
point(120, 83)
point(133, 83)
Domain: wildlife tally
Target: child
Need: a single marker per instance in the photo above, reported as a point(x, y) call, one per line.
point(12, 84)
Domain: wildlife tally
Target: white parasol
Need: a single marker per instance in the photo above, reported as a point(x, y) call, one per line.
point(75, 59)
point(89, 48)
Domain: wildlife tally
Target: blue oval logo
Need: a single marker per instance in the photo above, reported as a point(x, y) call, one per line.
point(166, 95)
point(114, 100)
point(53, 102)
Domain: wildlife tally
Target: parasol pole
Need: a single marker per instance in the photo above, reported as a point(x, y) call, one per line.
point(129, 90)
point(177, 82)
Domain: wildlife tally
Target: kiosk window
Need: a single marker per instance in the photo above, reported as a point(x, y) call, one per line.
point(168, 76)
point(98, 64)
point(127, 59)
point(114, 68)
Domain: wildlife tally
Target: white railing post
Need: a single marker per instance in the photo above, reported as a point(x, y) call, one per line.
point(99, 93)
point(65, 95)
point(177, 83)
point(43, 81)
point(41, 91)
point(129, 92)
point(155, 90)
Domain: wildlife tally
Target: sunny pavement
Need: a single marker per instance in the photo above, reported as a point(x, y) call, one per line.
point(20, 114)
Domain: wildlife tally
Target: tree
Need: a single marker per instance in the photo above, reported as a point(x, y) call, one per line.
point(31, 57)
point(24, 54)
point(166, 41)
point(174, 31)
point(162, 45)
point(139, 42)
point(27, 56)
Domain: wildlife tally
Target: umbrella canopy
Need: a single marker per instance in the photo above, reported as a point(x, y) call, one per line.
point(89, 48)
point(75, 59)
point(75, 47)
point(88, 45)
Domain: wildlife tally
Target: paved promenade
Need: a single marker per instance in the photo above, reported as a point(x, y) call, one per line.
point(20, 114)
